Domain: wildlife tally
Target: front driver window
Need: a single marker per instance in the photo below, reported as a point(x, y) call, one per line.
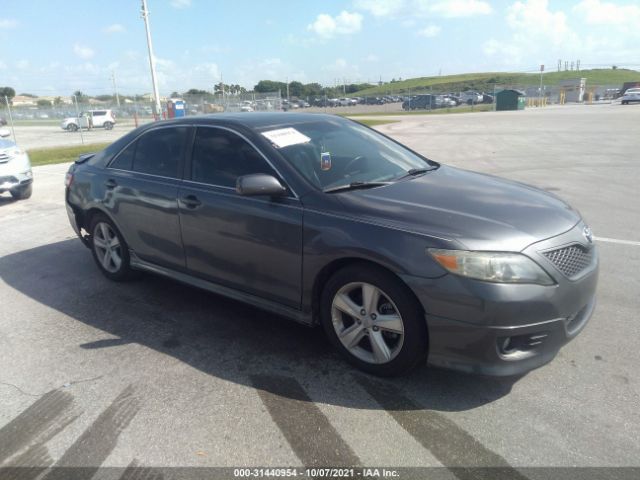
point(220, 157)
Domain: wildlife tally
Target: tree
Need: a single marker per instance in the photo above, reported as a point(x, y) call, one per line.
point(266, 86)
point(175, 95)
point(42, 103)
point(7, 92)
point(57, 101)
point(296, 89)
point(80, 97)
point(195, 91)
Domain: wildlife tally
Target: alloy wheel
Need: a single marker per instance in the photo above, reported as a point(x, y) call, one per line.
point(107, 247)
point(367, 322)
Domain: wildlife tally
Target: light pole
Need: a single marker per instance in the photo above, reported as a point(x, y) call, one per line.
point(152, 61)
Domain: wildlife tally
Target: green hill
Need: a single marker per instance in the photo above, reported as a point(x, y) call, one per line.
point(486, 81)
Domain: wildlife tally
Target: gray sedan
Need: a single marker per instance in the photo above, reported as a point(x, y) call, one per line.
point(400, 259)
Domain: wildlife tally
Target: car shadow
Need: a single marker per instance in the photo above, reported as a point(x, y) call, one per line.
point(6, 199)
point(222, 337)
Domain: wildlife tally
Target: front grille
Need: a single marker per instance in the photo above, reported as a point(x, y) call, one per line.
point(4, 158)
point(570, 260)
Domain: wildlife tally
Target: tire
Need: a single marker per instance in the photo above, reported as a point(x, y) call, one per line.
point(22, 193)
point(72, 127)
point(362, 337)
point(103, 237)
point(108, 125)
point(625, 103)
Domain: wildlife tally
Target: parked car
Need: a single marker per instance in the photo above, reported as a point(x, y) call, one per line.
point(630, 96)
point(90, 119)
point(3, 121)
point(487, 98)
point(471, 97)
point(399, 258)
point(15, 168)
point(420, 102)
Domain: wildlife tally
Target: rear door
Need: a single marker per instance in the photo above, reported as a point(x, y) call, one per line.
point(141, 192)
point(252, 244)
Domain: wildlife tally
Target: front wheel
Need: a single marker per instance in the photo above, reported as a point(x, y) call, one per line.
point(108, 125)
point(110, 251)
point(72, 127)
point(374, 320)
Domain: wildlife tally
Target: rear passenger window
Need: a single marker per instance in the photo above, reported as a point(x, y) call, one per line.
point(220, 157)
point(124, 160)
point(158, 152)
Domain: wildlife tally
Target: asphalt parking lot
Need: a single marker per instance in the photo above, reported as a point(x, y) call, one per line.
point(153, 373)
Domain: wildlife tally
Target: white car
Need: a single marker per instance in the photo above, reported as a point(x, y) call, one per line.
point(15, 169)
point(471, 97)
point(93, 118)
point(630, 96)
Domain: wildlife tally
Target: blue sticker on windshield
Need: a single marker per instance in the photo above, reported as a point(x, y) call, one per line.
point(325, 161)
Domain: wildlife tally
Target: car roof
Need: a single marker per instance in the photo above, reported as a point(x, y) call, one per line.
point(253, 120)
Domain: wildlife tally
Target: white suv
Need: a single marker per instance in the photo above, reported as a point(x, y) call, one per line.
point(15, 169)
point(630, 96)
point(90, 119)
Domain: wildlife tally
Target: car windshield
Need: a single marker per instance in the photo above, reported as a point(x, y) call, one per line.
point(340, 153)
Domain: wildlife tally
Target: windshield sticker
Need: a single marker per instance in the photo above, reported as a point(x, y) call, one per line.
point(325, 161)
point(283, 137)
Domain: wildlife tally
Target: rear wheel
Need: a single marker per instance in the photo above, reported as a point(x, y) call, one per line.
point(72, 127)
point(108, 125)
point(374, 320)
point(110, 251)
point(22, 193)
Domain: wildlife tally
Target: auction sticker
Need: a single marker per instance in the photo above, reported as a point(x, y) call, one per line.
point(283, 137)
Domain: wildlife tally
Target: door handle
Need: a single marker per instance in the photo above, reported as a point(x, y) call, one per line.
point(191, 201)
point(111, 184)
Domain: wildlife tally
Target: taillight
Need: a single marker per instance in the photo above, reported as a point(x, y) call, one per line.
point(68, 179)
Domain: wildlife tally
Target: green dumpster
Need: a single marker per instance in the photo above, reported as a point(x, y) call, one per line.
point(510, 100)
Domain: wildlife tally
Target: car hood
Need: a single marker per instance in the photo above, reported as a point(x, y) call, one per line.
point(475, 211)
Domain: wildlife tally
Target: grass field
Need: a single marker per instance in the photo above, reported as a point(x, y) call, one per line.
point(47, 156)
point(486, 81)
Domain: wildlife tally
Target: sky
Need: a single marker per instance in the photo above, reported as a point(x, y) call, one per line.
point(50, 47)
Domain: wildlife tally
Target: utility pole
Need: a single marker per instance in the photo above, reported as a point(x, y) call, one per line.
point(540, 91)
point(152, 61)
point(115, 88)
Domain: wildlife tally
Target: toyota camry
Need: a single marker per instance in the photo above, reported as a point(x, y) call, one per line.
point(399, 258)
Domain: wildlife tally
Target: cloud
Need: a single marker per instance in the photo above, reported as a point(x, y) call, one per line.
point(7, 23)
point(598, 13)
point(372, 58)
point(22, 64)
point(83, 51)
point(429, 31)
point(380, 8)
point(180, 3)
point(422, 8)
point(114, 28)
point(344, 23)
point(537, 33)
point(460, 8)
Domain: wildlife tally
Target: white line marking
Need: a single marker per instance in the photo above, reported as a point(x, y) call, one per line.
point(615, 240)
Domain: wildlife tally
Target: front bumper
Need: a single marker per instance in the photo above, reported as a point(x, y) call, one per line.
point(15, 180)
point(507, 329)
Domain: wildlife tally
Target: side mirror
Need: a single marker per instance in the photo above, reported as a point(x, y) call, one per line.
point(259, 184)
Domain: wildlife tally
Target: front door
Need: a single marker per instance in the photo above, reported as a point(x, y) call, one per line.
point(252, 244)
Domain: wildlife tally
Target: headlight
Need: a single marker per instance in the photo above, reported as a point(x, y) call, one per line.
point(495, 267)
